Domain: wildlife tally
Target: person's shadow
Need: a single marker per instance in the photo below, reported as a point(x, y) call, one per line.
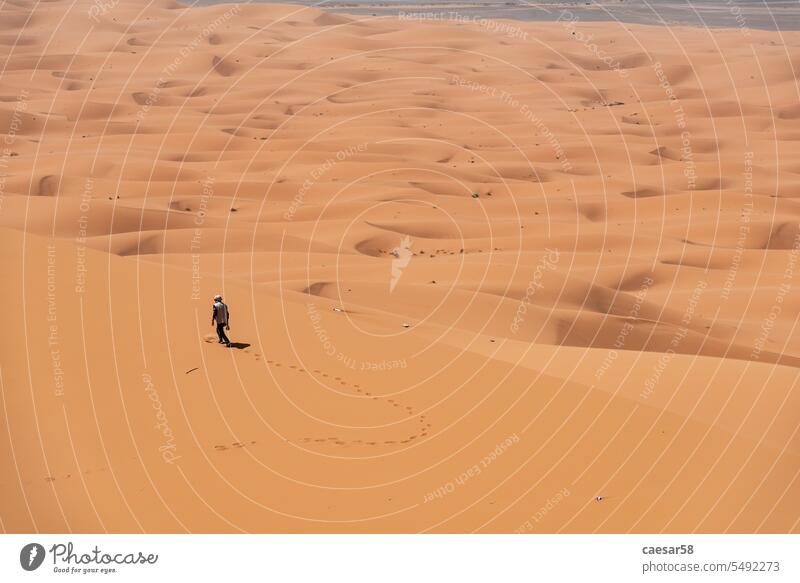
point(239, 345)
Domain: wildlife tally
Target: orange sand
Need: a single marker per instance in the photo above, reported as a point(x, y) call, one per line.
point(614, 314)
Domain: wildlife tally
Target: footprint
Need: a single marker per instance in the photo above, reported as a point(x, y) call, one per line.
point(339, 441)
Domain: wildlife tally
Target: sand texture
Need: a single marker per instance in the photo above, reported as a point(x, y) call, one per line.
point(478, 275)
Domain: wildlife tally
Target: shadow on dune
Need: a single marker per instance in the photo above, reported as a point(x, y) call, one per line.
point(239, 345)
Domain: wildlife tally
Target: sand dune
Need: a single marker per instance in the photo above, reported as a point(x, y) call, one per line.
point(475, 281)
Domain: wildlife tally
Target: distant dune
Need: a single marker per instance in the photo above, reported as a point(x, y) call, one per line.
point(478, 275)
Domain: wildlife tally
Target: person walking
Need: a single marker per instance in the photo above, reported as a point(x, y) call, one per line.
point(221, 316)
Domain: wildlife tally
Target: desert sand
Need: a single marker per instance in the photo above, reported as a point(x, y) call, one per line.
point(480, 273)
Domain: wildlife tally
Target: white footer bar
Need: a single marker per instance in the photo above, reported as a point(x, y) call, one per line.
point(401, 558)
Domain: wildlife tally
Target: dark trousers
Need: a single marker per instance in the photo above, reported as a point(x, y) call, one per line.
point(221, 334)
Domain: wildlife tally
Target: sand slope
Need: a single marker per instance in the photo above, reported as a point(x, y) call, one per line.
point(555, 276)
